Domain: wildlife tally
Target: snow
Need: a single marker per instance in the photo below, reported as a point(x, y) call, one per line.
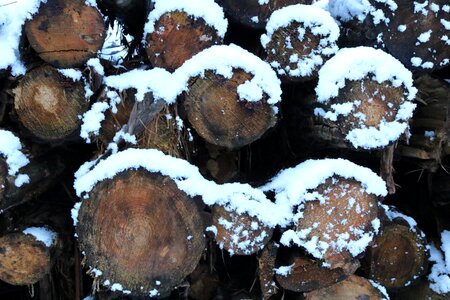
point(347, 10)
point(220, 59)
point(425, 36)
point(212, 229)
point(353, 64)
point(42, 234)
point(96, 65)
point(113, 49)
point(10, 149)
point(13, 15)
point(283, 270)
point(73, 74)
point(440, 272)
point(208, 10)
point(91, 120)
point(381, 288)
point(312, 18)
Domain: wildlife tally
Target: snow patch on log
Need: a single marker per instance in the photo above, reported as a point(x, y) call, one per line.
point(13, 15)
point(381, 288)
point(10, 148)
point(356, 64)
point(113, 48)
point(312, 18)
point(440, 272)
point(42, 234)
point(220, 59)
point(346, 10)
point(208, 10)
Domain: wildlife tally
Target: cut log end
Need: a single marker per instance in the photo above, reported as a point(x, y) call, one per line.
point(48, 104)
point(141, 232)
point(397, 257)
point(178, 37)
point(66, 33)
point(23, 259)
point(240, 234)
point(218, 115)
point(307, 275)
point(353, 287)
point(347, 209)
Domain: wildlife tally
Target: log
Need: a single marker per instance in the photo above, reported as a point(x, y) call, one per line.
point(344, 197)
point(25, 258)
point(218, 116)
point(66, 33)
point(296, 51)
point(397, 257)
point(266, 266)
point(240, 234)
point(178, 37)
point(416, 34)
point(420, 290)
point(354, 287)
point(48, 104)
point(307, 275)
point(251, 13)
point(141, 231)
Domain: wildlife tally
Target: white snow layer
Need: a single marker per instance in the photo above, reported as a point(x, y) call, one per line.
point(347, 10)
point(440, 272)
point(208, 10)
point(356, 64)
point(42, 234)
point(10, 149)
point(312, 18)
point(13, 15)
point(220, 59)
point(291, 185)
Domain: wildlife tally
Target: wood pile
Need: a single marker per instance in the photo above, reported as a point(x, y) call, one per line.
point(228, 149)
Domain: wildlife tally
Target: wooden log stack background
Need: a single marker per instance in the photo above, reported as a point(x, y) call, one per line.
point(228, 149)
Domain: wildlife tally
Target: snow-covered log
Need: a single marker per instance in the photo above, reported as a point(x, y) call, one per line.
point(66, 33)
point(177, 30)
point(27, 256)
point(48, 103)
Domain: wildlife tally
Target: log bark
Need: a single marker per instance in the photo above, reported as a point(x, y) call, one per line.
point(24, 260)
point(307, 275)
point(240, 234)
point(48, 104)
point(266, 266)
point(252, 14)
point(407, 43)
point(397, 258)
point(354, 287)
point(178, 37)
point(140, 230)
point(215, 112)
point(66, 33)
point(347, 207)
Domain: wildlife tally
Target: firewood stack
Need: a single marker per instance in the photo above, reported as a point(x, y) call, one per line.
point(251, 149)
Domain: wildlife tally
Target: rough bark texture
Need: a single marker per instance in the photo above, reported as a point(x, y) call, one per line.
point(48, 104)
point(66, 33)
point(240, 234)
point(307, 275)
point(140, 229)
point(23, 259)
point(346, 206)
point(398, 257)
point(353, 288)
point(405, 45)
point(178, 37)
point(252, 14)
point(266, 265)
point(218, 116)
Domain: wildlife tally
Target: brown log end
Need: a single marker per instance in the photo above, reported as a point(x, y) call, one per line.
point(23, 259)
point(307, 275)
point(240, 234)
point(397, 257)
point(66, 33)
point(141, 231)
point(177, 38)
point(402, 35)
point(354, 287)
point(216, 113)
point(252, 14)
point(266, 266)
point(347, 208)
point(48, 104)
point(285, 44)
point(379, 102)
